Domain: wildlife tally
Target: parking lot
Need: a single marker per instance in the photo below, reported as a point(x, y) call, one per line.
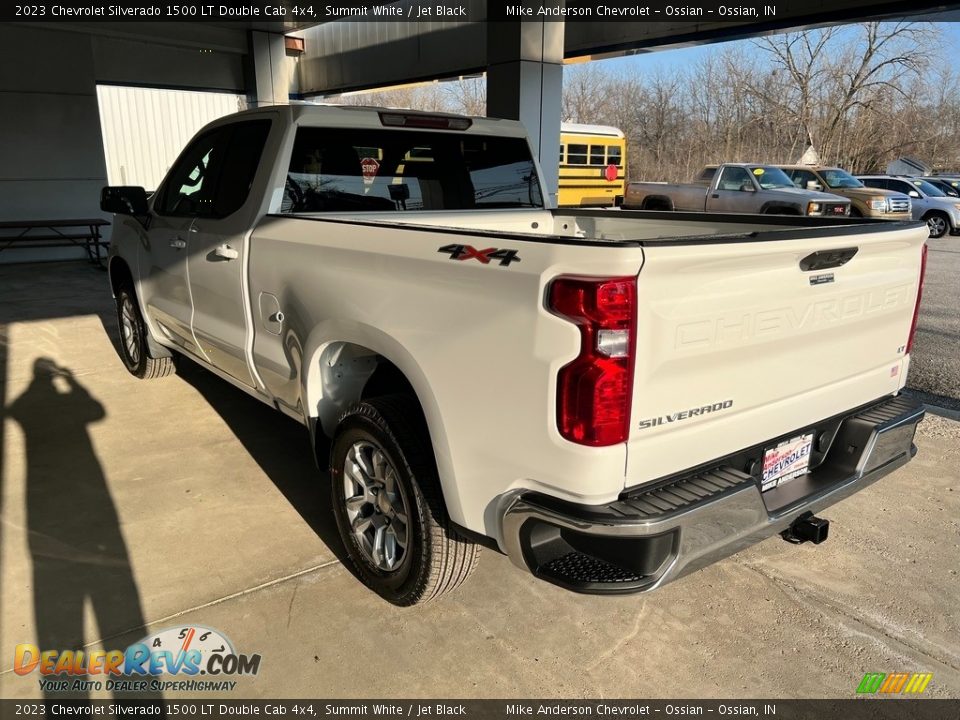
point(935, 364)
point(183, 502)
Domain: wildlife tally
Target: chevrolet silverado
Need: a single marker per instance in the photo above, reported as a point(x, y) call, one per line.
point(612, 398)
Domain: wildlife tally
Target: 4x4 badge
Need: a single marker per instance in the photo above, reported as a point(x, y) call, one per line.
point(468, 252)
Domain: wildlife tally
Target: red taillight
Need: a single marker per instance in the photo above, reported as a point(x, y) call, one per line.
point(916, 308)
point(435, 122)
point(594, 391)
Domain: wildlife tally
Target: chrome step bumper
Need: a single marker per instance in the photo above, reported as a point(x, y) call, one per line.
point(668, 528)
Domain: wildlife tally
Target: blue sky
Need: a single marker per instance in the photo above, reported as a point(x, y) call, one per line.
point(669, 60)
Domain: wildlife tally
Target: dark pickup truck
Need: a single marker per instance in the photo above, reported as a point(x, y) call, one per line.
point(736, 188)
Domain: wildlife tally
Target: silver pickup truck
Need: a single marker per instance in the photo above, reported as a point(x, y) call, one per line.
point(612, 398)
point(737, 188)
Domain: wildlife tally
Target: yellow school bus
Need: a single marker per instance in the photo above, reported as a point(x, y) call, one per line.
point(593, 166)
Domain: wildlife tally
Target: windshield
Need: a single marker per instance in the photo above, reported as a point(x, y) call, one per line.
point(928, 189)
point(837, 178)
point(771, 178)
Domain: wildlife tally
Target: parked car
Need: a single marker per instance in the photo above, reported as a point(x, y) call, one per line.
point(865, 202)
point(738, 188)
point(613, 399)
point(940, 212)
point(949, 186)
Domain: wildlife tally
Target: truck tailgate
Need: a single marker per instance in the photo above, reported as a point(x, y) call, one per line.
point(737, 344)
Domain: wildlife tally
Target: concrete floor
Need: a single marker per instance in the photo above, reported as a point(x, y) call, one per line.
point(182, 501)
point(935, 362)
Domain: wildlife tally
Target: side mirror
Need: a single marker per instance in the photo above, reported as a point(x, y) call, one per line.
point(124, 200)
point(913, 194)
point(814, 185)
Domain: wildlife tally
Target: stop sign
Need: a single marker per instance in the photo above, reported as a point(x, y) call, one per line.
point(369, 167)
point(610, 173)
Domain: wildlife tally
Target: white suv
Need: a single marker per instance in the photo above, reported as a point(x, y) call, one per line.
point(930, 204)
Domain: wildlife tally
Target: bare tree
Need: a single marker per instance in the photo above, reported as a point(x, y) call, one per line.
point(837, 79)
point(861, 94)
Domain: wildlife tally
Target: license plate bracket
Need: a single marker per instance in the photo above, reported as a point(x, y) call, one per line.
point(786, 461)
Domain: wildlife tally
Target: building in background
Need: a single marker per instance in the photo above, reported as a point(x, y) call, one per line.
point(144, 129)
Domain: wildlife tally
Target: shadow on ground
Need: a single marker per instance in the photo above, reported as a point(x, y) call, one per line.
point(278, 444)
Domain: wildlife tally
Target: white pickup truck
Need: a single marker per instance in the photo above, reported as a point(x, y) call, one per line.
point(612, 398)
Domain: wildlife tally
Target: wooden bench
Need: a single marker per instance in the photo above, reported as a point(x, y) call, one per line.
point(61, 232)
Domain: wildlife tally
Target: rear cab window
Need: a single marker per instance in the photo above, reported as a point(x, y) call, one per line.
point(344, 170)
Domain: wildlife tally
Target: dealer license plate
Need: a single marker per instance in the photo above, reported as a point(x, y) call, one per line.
point(788, 460)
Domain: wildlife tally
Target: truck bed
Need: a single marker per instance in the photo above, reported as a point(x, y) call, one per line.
point(603, 226)
point(699, 277)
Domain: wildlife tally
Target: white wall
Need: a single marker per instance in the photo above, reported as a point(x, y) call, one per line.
point(144, 129)
point(49, 131)
point(51, 141)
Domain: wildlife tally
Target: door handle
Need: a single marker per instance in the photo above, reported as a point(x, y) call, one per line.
point(226, 252)
point(178, 243)
point(716, 195)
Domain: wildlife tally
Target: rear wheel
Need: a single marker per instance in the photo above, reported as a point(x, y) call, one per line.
point(388, 505)
point(937, 224)
point(134, 349)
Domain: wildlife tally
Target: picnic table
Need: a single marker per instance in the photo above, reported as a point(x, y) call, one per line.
point(60, 232)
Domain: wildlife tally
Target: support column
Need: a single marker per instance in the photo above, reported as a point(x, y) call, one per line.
point(267, 78)
point(525, 83)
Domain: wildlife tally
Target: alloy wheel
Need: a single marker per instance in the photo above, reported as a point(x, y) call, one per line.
point(129, 329)
point(376, 505)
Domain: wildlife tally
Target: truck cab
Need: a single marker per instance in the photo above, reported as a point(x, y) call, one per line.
point(745, 187)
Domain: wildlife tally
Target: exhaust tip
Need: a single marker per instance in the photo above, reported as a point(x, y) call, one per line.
point(807, 528)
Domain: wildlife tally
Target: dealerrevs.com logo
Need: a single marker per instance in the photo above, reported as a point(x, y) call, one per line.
point(197, 657)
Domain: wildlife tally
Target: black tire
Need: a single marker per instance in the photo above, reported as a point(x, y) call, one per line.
point(855, 212)
point(134, 350)
point(436, 559)
point(657, 205)
point(938, 224)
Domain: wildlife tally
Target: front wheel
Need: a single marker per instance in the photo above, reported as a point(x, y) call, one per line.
point(134, 350)
point(937, 224)
point(388, 505)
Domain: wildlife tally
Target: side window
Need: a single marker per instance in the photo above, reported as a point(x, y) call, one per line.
point(734, 178)
point(613, 155)
point(190, 186)
point(562, 148)
point(577, 155)
point(802, 177)
point(900, 186)
point(596, 155)
point(239, 166)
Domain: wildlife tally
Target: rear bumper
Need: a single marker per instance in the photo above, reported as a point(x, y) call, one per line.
point(671, 527)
